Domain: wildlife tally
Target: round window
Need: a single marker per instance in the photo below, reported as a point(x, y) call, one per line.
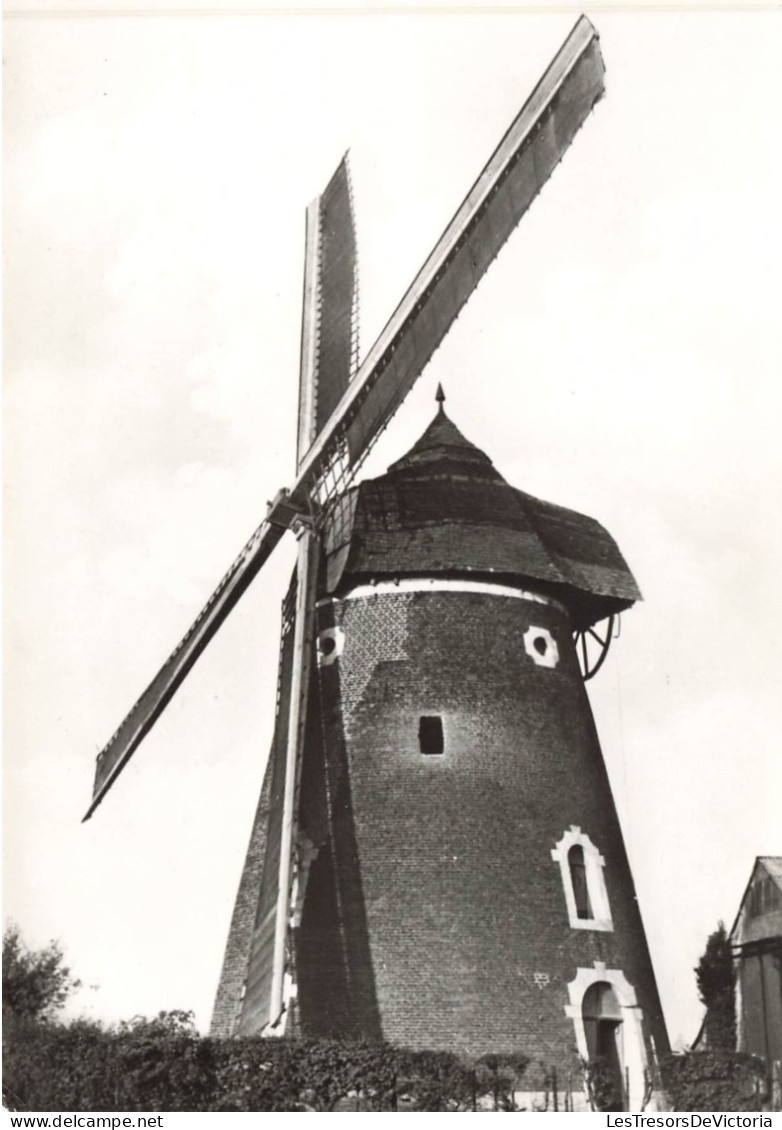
point(541, 646)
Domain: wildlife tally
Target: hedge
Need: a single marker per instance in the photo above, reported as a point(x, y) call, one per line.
point(164, 1065)
point(714, 1079)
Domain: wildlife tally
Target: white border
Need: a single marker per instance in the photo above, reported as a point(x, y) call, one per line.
point(632, 1050)
point(598, 895)
point(431, 584)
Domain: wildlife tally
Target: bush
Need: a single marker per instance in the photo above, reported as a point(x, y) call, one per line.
point(716, 977)
point(36, 983)
point(714, 1079)
point(163, 1065)
point(604, 1087)
point(323, 1075)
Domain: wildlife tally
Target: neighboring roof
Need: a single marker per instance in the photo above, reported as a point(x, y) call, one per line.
point(773, 864)
point(444, 508)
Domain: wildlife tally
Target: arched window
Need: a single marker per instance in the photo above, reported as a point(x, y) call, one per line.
point(581, 868)
point(578, 879)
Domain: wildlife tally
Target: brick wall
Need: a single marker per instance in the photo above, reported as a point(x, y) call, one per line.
point(434, 914)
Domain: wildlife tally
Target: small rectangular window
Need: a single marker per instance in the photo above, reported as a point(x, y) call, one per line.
point(430, 734)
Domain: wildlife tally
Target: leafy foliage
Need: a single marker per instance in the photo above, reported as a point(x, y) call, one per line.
point(603, 1087)
point(163, 1065)
point(158, 1064)
point(715, 976)
point(324, 1075)
point(715, 1079)
point(496, 1077)
point(36, 983)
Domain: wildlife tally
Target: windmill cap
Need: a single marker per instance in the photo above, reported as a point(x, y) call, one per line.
point(444, 510)
point(443, 442)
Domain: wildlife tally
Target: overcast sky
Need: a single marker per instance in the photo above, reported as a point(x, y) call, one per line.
point(622, 357)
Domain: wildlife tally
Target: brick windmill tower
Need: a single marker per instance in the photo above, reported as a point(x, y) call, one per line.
point(436, 857)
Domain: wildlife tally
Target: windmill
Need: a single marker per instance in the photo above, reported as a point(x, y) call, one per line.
point(343, 408)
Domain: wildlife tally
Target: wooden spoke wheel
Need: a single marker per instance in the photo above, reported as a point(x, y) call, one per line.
point(592, 646)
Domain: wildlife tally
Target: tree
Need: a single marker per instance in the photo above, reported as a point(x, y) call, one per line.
point(36, 983)
point(716, 978)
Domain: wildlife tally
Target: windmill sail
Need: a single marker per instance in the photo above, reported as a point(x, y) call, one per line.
point(262, 946)
point(329, 343)
point(523, 161)
point(327, 363)
point(146, 711)
point(518, 169)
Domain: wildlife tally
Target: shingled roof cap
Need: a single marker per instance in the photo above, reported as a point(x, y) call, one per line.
point(443, 442)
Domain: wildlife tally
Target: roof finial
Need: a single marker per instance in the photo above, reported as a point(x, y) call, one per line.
point(440, 397)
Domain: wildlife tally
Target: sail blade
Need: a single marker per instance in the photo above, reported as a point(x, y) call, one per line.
point(149, 707)
point(264, 998)
point(518, 169)
point(328, 362)
point(329, 337)
point(255, 1005)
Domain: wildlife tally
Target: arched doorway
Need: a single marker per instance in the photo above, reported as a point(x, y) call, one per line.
point(602, 1018)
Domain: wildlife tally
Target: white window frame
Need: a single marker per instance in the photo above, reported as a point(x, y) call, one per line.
point(594, 864)
point(337, 636)
point(550, 657)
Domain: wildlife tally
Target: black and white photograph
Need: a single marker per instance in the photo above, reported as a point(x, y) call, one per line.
point(391, 613)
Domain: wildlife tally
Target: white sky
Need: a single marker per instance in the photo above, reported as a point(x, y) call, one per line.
point(620, 358)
